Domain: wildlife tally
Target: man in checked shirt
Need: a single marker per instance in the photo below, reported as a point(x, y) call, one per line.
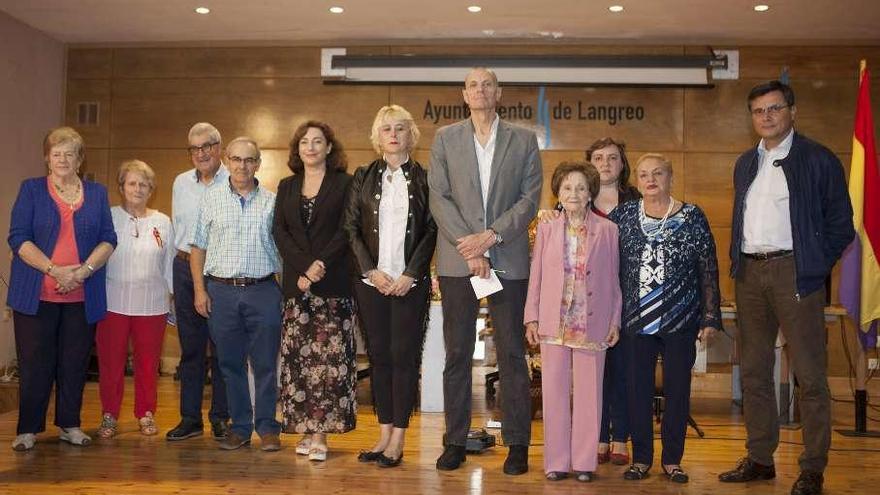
point(233, 262)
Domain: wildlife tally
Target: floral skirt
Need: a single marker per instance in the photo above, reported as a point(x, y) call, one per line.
point(318, 370)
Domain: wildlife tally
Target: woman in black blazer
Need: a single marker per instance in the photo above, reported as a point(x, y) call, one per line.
point(318, 373)
point(392, 237)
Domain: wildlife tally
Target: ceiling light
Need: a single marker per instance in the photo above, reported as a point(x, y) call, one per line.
point(336, 10)
point(474, 9)
point(762, 8)
point(203, 10)
point(616, 8)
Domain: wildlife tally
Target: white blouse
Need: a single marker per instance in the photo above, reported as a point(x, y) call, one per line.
point(139, 270)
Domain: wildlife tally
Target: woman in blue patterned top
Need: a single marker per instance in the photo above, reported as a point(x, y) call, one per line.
point(669, 280)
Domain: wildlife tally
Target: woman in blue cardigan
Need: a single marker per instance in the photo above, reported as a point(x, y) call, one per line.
point(61, 234)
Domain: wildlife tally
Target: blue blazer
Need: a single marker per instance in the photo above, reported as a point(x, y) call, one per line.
point(35, 218)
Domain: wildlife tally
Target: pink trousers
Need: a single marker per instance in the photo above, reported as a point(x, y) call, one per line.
point(571, 424)
point(111, 339)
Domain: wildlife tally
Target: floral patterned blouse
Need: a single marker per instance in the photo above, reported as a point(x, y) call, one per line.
point(573, 313)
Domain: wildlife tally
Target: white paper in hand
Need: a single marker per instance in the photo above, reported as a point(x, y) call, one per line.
point(486, 286)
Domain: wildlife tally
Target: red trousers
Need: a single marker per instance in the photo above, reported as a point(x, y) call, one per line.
point(112, 336)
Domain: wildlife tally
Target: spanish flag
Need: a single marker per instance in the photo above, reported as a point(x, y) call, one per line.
point(860, 275)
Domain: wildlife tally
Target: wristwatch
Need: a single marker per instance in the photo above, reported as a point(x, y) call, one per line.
point(498, 238)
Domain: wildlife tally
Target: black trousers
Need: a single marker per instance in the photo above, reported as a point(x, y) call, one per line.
point(394, 329)
point(460, 307)
point(679, 353)
point(53, 347)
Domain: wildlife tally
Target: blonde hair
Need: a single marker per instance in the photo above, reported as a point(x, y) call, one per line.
point(665, 162)
point(64, 135)
point(394, 112)
point(136, 166)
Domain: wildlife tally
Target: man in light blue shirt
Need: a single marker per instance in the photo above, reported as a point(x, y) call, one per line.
point(233, 262)
point(192, 328)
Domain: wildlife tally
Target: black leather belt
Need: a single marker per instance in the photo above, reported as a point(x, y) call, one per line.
point(183, 255)
point(768, 256)
point(239, 281)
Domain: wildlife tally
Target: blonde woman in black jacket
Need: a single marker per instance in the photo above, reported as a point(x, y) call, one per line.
point(392, 236)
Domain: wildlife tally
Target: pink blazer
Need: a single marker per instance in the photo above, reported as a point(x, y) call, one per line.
point(544, 301)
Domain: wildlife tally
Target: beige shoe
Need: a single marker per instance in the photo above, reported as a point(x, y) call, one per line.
point(147, 425)
point(318, 453)
point(108, 427)
point(24, 442)
point(304, 445)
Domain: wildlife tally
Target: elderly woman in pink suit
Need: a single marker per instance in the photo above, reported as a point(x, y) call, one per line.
point(573, 312)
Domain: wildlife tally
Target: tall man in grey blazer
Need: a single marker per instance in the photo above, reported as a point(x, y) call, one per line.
point(485, 182)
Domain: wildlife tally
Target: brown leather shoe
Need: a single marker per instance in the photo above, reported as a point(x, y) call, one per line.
point(748, 470)
point(233, 441)
point(270, 442)
point(808, 483)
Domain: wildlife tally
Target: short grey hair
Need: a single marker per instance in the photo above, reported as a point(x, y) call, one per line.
point(137, 167)
point(203, 128)
point(244, 139)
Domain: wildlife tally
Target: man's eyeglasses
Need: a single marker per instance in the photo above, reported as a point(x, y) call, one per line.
point(205, 148)
point(247, 161)
point(772, 110)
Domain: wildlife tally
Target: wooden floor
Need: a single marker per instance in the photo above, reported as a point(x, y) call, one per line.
point(132, 464)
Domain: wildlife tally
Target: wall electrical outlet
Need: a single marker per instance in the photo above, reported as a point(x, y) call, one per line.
point(873, 364)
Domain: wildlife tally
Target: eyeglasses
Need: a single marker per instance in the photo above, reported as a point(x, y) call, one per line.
point(250, 160)
point(135, 232)
point(772, 110)
point(205, 148)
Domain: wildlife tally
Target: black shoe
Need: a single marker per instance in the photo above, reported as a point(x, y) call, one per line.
point(219, 429)
point(452, 457)
point(369, 456)
point(556, 476)
point(185, 429)
point(676, 475)
point(517, 461)
point(387, 462)
point(584, 476)
point(748, 470)
point(808, 483)
point(636, 472)
point(234, 441)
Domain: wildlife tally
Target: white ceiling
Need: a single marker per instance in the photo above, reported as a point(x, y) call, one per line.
point(643, 21)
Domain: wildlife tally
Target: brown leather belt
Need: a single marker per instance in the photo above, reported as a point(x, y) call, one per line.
point(239, 281)
point(768, 256)
point(183, 255)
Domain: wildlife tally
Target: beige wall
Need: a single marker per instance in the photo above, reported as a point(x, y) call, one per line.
point(150, 96)
point(31, 102)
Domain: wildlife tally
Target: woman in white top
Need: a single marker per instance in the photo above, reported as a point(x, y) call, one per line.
point(138, 289)
point(392, 235)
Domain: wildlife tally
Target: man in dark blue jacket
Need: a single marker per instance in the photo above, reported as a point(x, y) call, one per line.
point(792, 219)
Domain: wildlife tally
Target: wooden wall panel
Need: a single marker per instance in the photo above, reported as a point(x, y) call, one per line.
point(86, 63)
point(708, 183)
point(90, 90)
point(717, 119)
point(158, 113)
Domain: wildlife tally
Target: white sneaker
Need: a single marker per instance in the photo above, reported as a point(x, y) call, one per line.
point(74, 436)
point(24, 442)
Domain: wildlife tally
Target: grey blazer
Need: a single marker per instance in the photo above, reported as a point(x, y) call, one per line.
point(456, 199)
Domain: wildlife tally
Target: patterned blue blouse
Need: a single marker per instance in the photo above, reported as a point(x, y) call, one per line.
point(668, 273)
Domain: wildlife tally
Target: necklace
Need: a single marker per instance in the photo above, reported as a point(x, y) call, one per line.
point(69, 195)
point(643, 218)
